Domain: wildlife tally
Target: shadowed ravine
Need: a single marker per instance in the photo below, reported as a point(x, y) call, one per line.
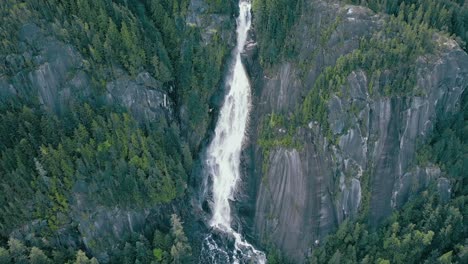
point(223, 159)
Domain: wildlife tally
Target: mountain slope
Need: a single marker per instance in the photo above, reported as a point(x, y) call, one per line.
point(103, 107)
point(342, 109)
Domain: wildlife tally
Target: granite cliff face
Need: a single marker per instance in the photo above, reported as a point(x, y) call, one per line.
point(56, 74)
point(305, 192)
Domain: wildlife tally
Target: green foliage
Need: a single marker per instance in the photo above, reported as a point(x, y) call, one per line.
point(199, 74)
point(221, 7)
point(137, 249)
point(162, 243)
point(12, 14)
point(446, 15)
point(81, 258)
point(158, 254)
point(394, 53)
point(275, 131)
point(180, 250)
point(5, 257)
point(274, 256)
point(168, 246)
point(448, 146)
point(424, 231)
point(273, 20)
point(17, 251)
point(37, 256)
point(122, 163)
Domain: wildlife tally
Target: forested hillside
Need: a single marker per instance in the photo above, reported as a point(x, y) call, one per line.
point(103, 107)
point(446, 15)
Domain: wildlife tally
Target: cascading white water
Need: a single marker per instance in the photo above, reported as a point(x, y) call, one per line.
point(223, 154)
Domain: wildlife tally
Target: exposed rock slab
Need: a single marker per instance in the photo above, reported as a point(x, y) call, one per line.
point(306, 192)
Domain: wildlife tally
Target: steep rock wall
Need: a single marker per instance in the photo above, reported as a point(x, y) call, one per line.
point(306, 191)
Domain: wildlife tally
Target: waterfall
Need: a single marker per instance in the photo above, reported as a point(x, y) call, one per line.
point(223, 155)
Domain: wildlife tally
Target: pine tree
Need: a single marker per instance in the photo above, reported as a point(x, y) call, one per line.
point(131, 56)
point(81, 258)
point(37, 256)
point(17, 251)
point(111, 44)
point(5, 257)
point(181, 250)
